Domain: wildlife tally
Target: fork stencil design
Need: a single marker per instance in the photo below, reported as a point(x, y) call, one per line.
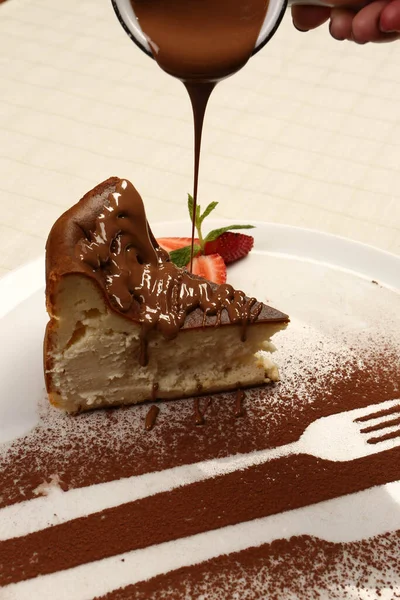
point(343, 436)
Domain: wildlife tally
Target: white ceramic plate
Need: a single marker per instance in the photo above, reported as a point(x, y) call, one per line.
point(316, 278)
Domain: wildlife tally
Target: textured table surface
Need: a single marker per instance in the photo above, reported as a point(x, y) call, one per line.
point(307, 134)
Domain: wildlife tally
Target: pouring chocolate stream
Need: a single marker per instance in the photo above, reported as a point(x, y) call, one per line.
point(200, 42)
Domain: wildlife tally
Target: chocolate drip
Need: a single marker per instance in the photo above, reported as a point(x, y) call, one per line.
point(142, 283)
point(151, 418)
point(240, 396)
point(200, 43)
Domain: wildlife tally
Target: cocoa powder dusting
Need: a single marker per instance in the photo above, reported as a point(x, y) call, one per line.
point(287, 483)
point(302, 568)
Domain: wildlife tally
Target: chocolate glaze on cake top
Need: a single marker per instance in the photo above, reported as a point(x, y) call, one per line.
point(107, 238)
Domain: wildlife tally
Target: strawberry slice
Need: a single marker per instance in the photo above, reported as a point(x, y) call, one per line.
point(174, 243)
point(231, 246)
point(212, 252)
point(211, 267)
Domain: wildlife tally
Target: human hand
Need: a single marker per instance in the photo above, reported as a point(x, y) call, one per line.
point(378, 21)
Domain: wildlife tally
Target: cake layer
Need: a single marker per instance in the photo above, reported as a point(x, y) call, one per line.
point(93, 355)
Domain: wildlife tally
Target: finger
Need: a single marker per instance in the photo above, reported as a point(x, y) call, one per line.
point(341, 23)
point(309, 17)
point(390, 17)
point(365, 26)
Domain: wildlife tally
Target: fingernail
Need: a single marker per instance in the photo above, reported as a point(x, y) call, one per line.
point(298, 28)
point(384, 30)
point(334, 36)
point(356, 41)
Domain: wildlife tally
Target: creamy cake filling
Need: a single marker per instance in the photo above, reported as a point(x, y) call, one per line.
point(96, 359)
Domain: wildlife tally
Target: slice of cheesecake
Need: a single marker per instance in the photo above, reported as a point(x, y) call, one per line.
point(127, 325)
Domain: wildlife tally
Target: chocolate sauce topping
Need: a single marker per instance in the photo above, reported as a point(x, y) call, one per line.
point(143, 284)
point(200, 43)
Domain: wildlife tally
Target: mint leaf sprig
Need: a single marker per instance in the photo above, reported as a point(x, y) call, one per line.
point(181, 256)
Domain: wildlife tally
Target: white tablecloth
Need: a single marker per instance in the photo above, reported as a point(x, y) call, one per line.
point(306, 134)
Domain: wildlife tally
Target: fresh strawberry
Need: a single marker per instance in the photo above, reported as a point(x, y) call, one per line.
point(231, 246)
point(211, 267)
point(211, 251)
point(174, 243)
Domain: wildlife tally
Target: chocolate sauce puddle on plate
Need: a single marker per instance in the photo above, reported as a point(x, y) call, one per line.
point(200, 43)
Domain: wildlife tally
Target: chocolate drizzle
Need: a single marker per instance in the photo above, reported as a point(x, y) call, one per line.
point(143, 284)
